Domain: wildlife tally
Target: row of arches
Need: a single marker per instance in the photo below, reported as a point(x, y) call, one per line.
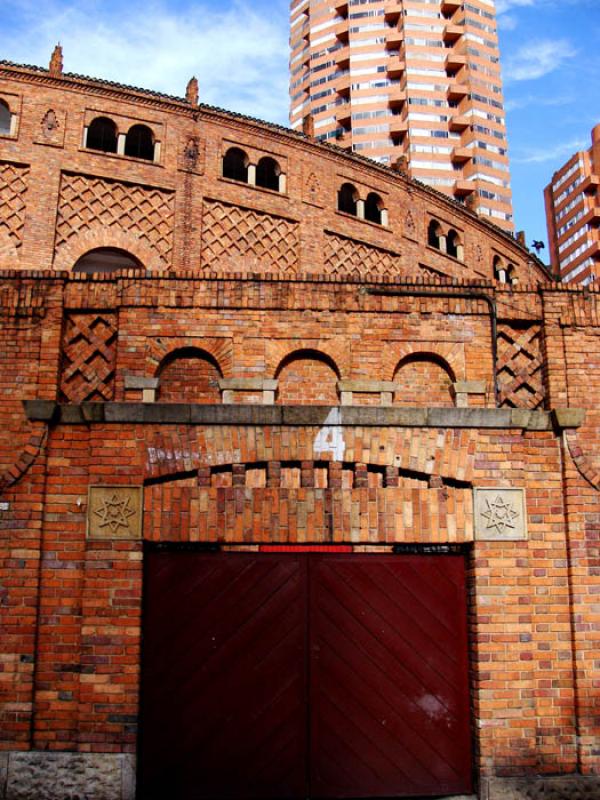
point(504, 271)
point(371, 208)
point(304, 377)
point(266, 173)
point(446, 241)
point(138, 142)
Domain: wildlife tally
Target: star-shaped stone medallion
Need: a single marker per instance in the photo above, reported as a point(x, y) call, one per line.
point(114, 511)
point(500, 514)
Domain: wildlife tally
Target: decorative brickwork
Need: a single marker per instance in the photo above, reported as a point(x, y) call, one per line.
point(520, 366)
point(344, 256)
point(116, 212)
point(88, 357)
point(245, 240)
point(13, 190)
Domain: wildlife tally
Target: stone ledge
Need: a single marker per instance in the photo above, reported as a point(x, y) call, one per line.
point(248, 384)
point(55, 776)
point(374, 416)
point(567, 787)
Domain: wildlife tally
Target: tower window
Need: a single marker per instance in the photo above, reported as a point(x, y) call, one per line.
point(5, 119)
point(235, 165)
point(348, 199)
point(139, 142)
point(102, 135)
point(267, 173)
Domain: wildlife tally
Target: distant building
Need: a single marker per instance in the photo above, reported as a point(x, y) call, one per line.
point(412, 80)
point(573, 216)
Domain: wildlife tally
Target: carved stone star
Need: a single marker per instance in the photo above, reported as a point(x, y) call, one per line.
point(500, 514)
point(114, 512)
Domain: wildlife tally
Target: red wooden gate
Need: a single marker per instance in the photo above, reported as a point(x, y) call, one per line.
point(303, 675)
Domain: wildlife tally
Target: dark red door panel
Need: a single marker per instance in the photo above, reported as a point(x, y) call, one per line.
point(389, 692)
point(223, 686)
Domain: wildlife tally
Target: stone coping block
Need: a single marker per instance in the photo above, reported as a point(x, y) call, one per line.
point(138, 382)
point(469, 387)
point(375, 416)
point(367, 386)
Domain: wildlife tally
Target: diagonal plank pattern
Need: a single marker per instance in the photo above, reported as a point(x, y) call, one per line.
point(297, 675)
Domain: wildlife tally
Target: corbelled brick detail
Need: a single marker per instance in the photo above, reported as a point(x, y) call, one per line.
point(520, 366)
point(239, 239)
point(88, 357)
point(345, 256)
point(13, 191)
point(100, 211)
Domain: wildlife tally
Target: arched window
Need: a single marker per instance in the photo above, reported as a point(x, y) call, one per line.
point(373, 208)
point(106, 259)
point(499, 270)
point(139, 142)
point(5, 119)
point(348, 199)
point(102, 135)
point(235, 165)
point(433, 234)
point(453, 245)
point(267, 173)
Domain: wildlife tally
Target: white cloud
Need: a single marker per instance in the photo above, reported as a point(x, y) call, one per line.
point(239, 56)
point(542, 154)
point(506, 5)
point(537, 58)
point(533, 101)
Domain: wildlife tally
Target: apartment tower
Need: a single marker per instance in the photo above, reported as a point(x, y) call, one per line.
point(417, 80)
point(573, 216)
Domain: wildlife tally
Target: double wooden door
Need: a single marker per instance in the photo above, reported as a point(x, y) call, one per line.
point(303, 675)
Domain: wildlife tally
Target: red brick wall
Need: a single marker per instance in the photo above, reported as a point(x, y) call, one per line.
point(189, 377)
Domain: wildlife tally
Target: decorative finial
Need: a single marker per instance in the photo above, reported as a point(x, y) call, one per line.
point(308, 126)
point(400, 165)
point(191, 92)
point(56, 61)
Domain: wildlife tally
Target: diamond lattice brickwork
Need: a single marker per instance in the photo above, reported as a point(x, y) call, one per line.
point(88, 357)
point(350, 257)
point(520, 367)
point(86, 202)
point(13, 188)
point(243, 239)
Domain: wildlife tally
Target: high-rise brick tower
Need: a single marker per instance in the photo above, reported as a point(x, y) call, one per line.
point(413, 79)
point(573, 213)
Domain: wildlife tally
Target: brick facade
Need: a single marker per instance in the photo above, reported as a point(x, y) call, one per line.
point(246, 396)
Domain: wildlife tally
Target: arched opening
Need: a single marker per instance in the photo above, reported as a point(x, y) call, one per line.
point(453, 244)
point(189, 375)
point(348, 199)
point(5, 119)
point(307, 377)
point(267, 173)
point(139, 142)
point(106, 259)
point(102, 135)
point(374, 208)
point(423, 379)
point(434, 232)
point(499, 270)
point(235, 165)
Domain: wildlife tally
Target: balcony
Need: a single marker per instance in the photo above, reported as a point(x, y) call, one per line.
point(341, 30)
point(452, 33)
point(342, 57)
point(396, 66)
point(456, 91)
point(398, 128)
point(343, 115)
point(342, 84)
point(450, 6)
point(455, 61)
point(394, 39)
point(459, 123)
point(461, 154)
point(397, 98)
point(341, 7)
point(463, 188)
point(590, 184)
point(392, 12)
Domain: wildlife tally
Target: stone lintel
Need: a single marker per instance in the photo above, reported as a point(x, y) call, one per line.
point(469, 387)
point(139, 382)
point(376, 416)
point(568, 417)
point(248, 385)
point(366, 386)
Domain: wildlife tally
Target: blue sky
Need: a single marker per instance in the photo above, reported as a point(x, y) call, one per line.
point(239, 52)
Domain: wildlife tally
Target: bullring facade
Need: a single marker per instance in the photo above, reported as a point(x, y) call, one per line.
point(299, 469)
